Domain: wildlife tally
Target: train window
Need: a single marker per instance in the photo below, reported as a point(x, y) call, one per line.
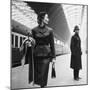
point(12, 38)
point(16, 41)
point(20, 41)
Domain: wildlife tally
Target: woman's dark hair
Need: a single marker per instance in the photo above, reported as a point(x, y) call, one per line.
point(41, 16)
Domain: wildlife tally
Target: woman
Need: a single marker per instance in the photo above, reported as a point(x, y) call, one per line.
point(76, 53)
point(44, 50)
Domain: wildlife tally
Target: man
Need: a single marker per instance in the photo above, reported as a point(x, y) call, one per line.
point(76, 53)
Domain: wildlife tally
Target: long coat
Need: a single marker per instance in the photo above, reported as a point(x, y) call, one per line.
point(43, 53)
point(75, 52)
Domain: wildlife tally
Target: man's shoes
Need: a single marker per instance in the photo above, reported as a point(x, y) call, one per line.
point(77, 79)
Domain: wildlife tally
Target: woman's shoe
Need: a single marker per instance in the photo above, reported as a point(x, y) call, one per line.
point(42, 86)
point(77, 79)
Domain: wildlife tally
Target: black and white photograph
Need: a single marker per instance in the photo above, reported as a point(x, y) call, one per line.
point(49, 44)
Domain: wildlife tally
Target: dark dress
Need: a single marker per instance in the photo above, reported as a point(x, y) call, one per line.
point(43, 52)
point(75, 52)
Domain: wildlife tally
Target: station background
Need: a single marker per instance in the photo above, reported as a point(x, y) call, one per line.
point(5, 44)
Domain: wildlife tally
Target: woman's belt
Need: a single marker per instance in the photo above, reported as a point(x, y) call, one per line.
point(42, 50)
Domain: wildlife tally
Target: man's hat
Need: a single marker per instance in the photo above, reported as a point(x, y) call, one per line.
point(76, 28)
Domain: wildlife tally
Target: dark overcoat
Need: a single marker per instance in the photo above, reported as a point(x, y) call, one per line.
point(43, 52)
point(75, 52)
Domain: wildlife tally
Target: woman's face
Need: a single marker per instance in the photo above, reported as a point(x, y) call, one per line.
point(46, 19)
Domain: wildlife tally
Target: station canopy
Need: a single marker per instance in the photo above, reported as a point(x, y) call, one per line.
point(23, 14)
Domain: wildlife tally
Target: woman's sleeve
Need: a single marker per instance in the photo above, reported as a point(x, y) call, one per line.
point(52, 46)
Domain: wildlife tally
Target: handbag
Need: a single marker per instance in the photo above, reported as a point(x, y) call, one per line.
point(53, 73)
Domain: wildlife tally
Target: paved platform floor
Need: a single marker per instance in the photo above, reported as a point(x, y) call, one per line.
point(64, 74)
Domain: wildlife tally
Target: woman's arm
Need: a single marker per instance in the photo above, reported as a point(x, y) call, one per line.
point(52, 46)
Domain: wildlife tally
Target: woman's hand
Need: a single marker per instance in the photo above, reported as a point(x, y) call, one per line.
point(54, 60)
point(32, 42)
